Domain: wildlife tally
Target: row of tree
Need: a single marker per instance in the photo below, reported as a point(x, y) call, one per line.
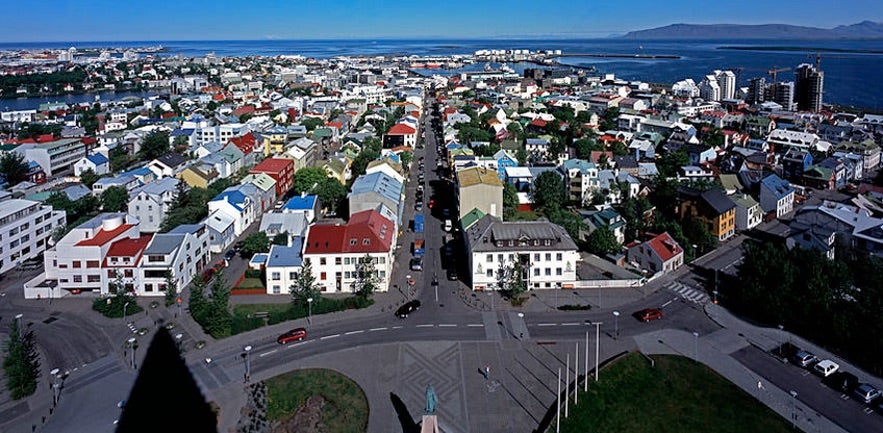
point(22, 362)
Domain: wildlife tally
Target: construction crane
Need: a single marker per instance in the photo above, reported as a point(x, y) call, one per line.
point(774, 72)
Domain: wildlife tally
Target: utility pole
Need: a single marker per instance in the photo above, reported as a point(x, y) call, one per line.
point(567, 387)
point(558, 418)
point(586, 382)
point(597, 349)
point(576, 374)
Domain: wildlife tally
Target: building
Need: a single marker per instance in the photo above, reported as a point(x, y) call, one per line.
point(25, 230)
point(337, 252)
point(794, 163)
point(221, 229)
point(808, 88)
point(168, 165)
point(748, 212)
point(726, 80)
point(284, 264)
point(54, 156)
point(659, 253)
point(776, 195)
point(236, 205)
point(308, 205)
point(401, 134)
point(712, 207)
point(543, 251)
point(96, 162)
point(479, 188)
point(179, 255)
point(580, 180)
point(281, 170)
point(152, 202)
point(371, 190)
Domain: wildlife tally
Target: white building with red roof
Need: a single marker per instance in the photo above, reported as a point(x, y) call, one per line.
point(336, 251)
point(659, 253)
point(120, 265)
point(401, 134)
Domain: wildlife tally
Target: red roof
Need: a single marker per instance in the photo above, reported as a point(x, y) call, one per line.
point(665, 247)
point(272, 165)
point(245, 143)
point(366, 232)
point(401, 129)
point(337, 125)
point(415, 113)
point(129, 247)
point(104, 236)
point(540, 123)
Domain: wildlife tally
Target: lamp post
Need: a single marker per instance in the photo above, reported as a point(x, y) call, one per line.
point(490, 294)
point(586, 368)
point(247, 349)
point(793, 409)
point(615, 325)
point(55, 388)
point(781, 339)
point(521, 326)
point(597, 349)
point(309, 311)
point(696, 346)
point(178, 338)
point(179, 301)
point(124, 311)
point(18, 322)
point(133, 344)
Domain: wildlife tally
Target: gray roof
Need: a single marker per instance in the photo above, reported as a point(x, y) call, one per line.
point(164, 243)
point(285, 256)
point(295, 223)
point(158, 187)
point(187, 228)
point(485, 234)
point(96, 221)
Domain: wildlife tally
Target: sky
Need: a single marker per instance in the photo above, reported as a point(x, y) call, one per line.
point(167, 20)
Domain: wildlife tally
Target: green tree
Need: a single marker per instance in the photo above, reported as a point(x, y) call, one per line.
point(584, 148)
point(669, 164)
point(115, 199)
point(367, 279)
point(171, 289)
point(515, 131)
point(635, 212)
point(548, 190)
point(602, 242)
point(281, 239)
point(610, 116)
point(510, 200)
point(119, 159)
point(308, 178)
point(13, 167)
point(311, 123)
point(257, 242)
point(181, 145)
point(305, 286)
point(522, 156)
point(331, 193)
point(407, 158)
point(88, 177)
point(22, 362)
point(154, 145)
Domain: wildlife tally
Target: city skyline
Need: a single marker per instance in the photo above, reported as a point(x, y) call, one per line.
point(164, 20)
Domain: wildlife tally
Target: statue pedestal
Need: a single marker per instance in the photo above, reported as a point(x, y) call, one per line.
point(429, 425)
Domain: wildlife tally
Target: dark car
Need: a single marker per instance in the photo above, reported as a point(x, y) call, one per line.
point(407, 308)
point(841, 381)
point(648, 314)
point(452, 274)
point(417, 264)
point(296, 334)
point(230, 254)
point(237, 246)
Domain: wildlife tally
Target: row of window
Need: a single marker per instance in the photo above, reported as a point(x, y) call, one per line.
point(536, 272)
point(351, 260)
point(18, 215)
point(323, 276)
point(79, 279)
point(524, 243)
point(536, 257)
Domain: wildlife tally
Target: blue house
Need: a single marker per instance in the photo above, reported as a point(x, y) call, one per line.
point(306, 204)
point(776, 195)
point(794, 163)
point(504, 159)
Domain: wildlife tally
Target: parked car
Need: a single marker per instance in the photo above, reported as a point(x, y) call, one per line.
point(407, 308)
point(452, 273)
point(229, 255)
point(826, 367)
point(296, 334)
point(804, 359)
point(418, 207)
point(648, 314)
point(841, 381)
point(431, 203)
point(866, 393)
point(417, 264)
point(237, 246)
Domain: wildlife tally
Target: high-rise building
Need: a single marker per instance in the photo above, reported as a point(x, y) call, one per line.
point(782, 93)
point(757, 88)
point(709, 90)
point(808, 88)
point(726, 80)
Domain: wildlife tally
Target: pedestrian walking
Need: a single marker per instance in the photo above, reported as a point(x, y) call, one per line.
point(487, 372)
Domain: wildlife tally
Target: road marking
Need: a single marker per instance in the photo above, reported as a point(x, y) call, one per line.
point(267, 353)
point(330, 336)
point(571, 324)
point(475, 325)
point(665, 304)
point(378, 329)
point(547, 324)
point(299, 343)
point(425, 326)
point(354, 332)
point(447, 326)
point(396, 327)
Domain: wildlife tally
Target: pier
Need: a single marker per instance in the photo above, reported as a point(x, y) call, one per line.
point(621, 56)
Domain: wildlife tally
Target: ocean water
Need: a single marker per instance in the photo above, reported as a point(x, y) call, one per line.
point(853, 68)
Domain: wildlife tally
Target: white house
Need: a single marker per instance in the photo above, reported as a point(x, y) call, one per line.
point(95, 162)
point(237, 205)
point(660, 253)
point(25, 230)
point(284, 264)
point(221, 228)
point(150, 203)
point(168, 165)
point(183, 251)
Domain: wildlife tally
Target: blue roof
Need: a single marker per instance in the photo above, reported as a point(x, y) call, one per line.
point(778, 186)
point(143, 171)
point(380, 183)
point(301, 203)
point(97, 159)
point(182, 132)
point(187, 228)
point(235, 197)
point(281, 255)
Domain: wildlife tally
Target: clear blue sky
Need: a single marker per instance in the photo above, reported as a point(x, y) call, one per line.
point(126, 20)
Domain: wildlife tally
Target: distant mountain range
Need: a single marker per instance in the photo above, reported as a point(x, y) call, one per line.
point(862, 30)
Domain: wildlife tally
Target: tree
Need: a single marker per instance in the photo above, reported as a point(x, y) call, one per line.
point(88, 177)
point(181, 144)
point(515, 131)
point(257, 242)
point(671, 162)
point(407, 158)
point(13, 167)
point(305, 286)
point(610, 116)
point(584, 148)
point(171, 289)
point(154, 145)
point(511, 279)
point(22, 362)
point(119, 159)
point(548, 190)
point(510, 200)
point(602, 242)
point(522, 156)
point(331, 193)
point(367, 280)
point(311, 123)
point(115, 199)
point(308, 178)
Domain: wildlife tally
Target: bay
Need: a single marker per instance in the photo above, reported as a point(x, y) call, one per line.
point(852, 67)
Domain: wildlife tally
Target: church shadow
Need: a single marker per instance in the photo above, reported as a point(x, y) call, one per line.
point(405, 418)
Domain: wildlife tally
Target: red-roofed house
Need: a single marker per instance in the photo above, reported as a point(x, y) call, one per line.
point(121, 263)
point(659, 253)
point(75, 261)
point(336, 252)
point(246, 143)
point(401, 133)
point(280, 169)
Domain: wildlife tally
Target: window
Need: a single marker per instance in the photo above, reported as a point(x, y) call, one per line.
point(148, 287)
point(322, 261)
point(547, 242)
point(114, 259)
point(111, 273)
point(500, 258)
point(536, 272)
point(93, 278)
point(155, 259)
point(127, 273)
point(558, 257)
point(277, 290)
point(275, 276)
point(558, 271)
point(548, 272)
point(536, 257)
point(292, 275)
point(75, 264)
point(323, 276)
point(490, 273)
point(347, 261)
point(347, 275)
point(78, 278)
point(337, 261)
point(490, 258)
point(92, 263)
point(382, 274)
point(548, 257)
point(366, 241)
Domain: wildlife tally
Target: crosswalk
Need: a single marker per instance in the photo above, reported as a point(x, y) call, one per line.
point(688, 293)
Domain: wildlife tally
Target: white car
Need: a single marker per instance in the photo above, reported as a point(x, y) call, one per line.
point(826, 367)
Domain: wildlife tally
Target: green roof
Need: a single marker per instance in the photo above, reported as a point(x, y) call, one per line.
point(471, 218)
point(322, 132)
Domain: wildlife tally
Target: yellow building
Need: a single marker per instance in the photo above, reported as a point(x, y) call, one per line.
point(480, 188)
point(712, 207)
point(199, 175)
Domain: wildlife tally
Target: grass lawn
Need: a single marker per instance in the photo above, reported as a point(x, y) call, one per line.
point(346, 407)
point(251, 283)
point(677, 396)
point(278, 313)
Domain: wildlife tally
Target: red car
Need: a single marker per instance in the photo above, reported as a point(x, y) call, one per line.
point(431, 203)
point(648, 314)
point(293, 335)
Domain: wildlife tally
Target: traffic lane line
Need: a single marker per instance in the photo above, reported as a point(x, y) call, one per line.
point(267, 353)
point(354, 332)
point(425, 326)
point(475, 325)
point(447, 325)
point(547, 324)
point(328, 337)
point(377, 329)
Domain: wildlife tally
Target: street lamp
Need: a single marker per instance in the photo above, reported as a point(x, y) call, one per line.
point(124, 311)
point(18, 321)
point(616, 324)
point(133, 344)
point(178, 338)
point(247, 365)
point(696, 346)
point(781, 339)
point(597, 349)
point(55, 387)
point(490, 294)
point(520, 325)
point(793, 409)
point(309, 311)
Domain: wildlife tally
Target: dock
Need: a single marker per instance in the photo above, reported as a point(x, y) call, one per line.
point(621, 56)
